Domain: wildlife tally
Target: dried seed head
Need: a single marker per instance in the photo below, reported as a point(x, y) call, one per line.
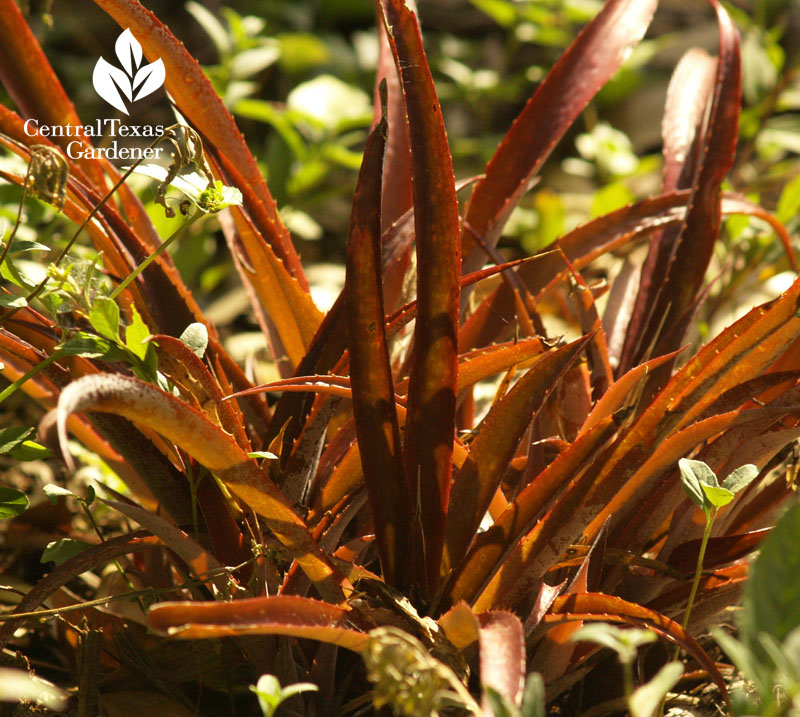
point(47, 175)
point(186, 148)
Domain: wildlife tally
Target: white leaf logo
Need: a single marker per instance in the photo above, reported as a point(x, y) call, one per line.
point(131, 83)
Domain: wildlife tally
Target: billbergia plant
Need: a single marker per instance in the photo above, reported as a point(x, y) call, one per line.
point(363, 523)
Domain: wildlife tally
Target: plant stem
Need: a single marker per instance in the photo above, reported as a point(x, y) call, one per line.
point(710, 517)
point(627, 676)
point(179, 232)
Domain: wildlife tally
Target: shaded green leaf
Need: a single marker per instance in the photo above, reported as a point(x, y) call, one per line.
point(30, 451)
point(772, 594)
point(741, 656)
point(624, 642)
point(89, 346)
point(740, 478)
point(12, 502)
point(500, 704)
point(646, 699)
point(13, 436)
point(23, 245)
point(59, 551)
point(9, 301)
point(693, 475)
point(533, 697)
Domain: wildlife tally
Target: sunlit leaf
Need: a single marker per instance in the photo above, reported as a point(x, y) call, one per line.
point(195, 336)
point(716, 496)
point(104, 317)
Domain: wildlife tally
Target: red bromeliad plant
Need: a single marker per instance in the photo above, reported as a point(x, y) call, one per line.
point(387, 506)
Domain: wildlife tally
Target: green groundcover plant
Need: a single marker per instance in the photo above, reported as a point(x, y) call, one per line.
point(365, 532)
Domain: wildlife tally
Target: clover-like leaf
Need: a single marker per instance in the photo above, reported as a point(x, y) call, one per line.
point(741, 478)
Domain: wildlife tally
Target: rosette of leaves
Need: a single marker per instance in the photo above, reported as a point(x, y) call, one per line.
point(369, 496)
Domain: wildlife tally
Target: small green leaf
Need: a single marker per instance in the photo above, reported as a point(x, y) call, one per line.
point(30, 451)
point(96, 347)
point(195, 336)
point(13, 436)
point(533, 701)
point(21, 246)
point(60, 551)
point(270, 694)
point(12, 502)
point(90, 495)
point(296, 689)
point(646, 699)
point(54, 492)
point(500, 704)
point(741, 478)
point(623, 641)
point(694, 474)
point(104, 318)
point(262, 454)
point(136, 334)
point(10, 301)
point(716, 495)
